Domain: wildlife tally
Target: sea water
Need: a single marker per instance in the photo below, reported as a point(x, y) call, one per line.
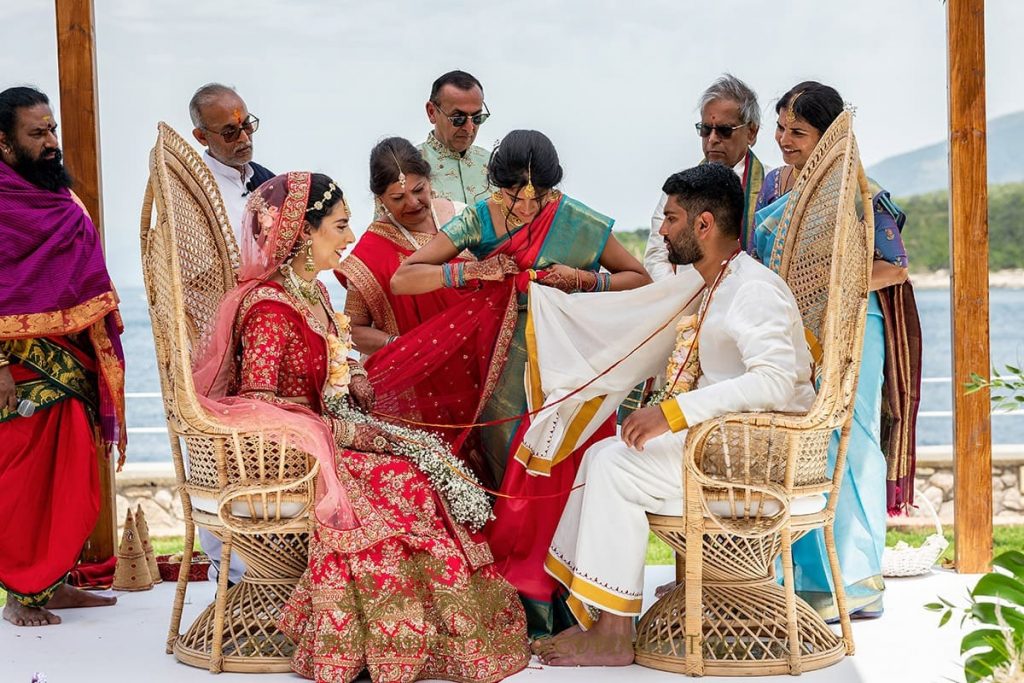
point(1006, 333)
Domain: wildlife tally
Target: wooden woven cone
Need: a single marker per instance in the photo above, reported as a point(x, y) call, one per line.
point(147, 547)
point(131, 572)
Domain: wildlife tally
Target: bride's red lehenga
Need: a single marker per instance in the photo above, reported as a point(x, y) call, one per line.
point(399, 588)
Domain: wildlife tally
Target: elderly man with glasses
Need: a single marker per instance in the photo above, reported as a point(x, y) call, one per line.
point(729, 120)
point(224, 126)
point(457, 110)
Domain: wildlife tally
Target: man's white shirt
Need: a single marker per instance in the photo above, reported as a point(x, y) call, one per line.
point(233, 192)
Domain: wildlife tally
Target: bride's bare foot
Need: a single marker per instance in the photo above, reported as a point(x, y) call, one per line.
point(67, 597)
point(20, 615)
point(608, 643)
point(541, 645)
point(664, 589)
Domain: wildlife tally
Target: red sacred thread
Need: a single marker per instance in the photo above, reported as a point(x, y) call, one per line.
point(531, 413)
point(700, 320)
point(559, 494)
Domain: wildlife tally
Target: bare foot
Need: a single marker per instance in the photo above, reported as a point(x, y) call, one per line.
point(20, 615)
point(608, 643)
point(66, 597)
point(544, 644)
point(664, 589)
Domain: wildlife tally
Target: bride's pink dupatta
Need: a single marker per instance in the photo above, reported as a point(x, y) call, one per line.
point(273, 221)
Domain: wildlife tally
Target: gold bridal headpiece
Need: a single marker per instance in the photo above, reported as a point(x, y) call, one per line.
point(401, 173)
point(791, 113)
point(319, 204)
point(529, 192)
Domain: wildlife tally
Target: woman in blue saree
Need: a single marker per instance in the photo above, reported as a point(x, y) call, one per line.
point(879, 464)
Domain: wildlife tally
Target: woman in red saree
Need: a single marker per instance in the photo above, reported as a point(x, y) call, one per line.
point(396, 583)
point(407, 217)
point(529, 230)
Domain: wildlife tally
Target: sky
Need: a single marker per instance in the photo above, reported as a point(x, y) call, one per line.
point(614, 84)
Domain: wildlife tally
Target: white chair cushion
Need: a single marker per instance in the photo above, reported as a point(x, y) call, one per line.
point(804, 505)
point(240, 508)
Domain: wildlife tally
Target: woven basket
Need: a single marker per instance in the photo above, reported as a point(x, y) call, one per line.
point(904, 559)
point(170, 567)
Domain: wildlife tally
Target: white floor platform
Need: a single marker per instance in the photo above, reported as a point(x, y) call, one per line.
point(125, 643)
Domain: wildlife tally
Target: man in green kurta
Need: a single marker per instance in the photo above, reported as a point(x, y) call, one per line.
point(457, 110)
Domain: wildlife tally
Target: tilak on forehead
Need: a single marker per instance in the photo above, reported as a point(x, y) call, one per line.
point(237, 113)
point(47, 118)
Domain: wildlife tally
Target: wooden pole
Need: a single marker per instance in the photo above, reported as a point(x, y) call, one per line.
point(80, 134)
point(968, 237)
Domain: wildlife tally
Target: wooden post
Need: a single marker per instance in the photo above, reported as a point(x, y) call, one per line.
point(968, 237)
point(80, 134)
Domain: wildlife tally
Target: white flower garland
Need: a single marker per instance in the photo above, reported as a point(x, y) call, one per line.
point(466, 499)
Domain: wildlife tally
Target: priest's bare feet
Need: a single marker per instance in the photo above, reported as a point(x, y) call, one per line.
point(67, 597)
point(664, 589)
point(608, 643)
point(20, 615)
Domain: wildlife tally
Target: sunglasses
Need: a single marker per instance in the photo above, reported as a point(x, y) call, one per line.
point(231, 133)
point(460, 119)
point(724, 132)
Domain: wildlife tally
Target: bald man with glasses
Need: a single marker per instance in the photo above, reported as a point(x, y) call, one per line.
point(458, 167)
point(224, 126)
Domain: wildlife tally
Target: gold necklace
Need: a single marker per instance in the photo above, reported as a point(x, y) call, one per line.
point(299, 288)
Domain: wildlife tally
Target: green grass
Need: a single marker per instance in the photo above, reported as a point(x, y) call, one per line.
point(1003, 538)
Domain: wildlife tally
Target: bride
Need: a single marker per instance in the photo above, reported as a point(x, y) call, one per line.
point(399, 582)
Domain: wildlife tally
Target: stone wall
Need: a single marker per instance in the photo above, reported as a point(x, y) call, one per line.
point(935, 480)
point(154, 487)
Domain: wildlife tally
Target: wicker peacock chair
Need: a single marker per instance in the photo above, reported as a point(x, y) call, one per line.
point(253, 494)
point(755, 482)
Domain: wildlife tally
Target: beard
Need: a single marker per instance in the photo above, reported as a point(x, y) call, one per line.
point(685, 249)
point(48, 174)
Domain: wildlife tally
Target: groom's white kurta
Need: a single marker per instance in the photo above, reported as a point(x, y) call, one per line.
point(753, 356)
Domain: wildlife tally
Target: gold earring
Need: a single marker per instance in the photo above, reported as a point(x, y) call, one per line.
point(497, 197)
point(310, 266)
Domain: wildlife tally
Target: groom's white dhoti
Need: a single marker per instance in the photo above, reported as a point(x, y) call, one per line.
point(753, 356)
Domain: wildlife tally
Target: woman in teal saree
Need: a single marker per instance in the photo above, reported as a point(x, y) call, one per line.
point(526, 231)
point(879, 464)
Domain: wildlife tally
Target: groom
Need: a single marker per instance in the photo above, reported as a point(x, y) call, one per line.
point(750, 355)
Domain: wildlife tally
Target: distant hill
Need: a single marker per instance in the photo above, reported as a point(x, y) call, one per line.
point(926, 234)
point(926, 169)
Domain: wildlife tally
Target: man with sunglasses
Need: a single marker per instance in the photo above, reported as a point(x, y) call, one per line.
point(729, 120)
point(224, 126)
point(457, 110)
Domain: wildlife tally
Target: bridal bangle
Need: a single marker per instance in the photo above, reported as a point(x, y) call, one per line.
point(346, 434)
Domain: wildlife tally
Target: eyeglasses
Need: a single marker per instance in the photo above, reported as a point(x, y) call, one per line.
point(724, 132)
point(460, 119)
point(231, 133)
